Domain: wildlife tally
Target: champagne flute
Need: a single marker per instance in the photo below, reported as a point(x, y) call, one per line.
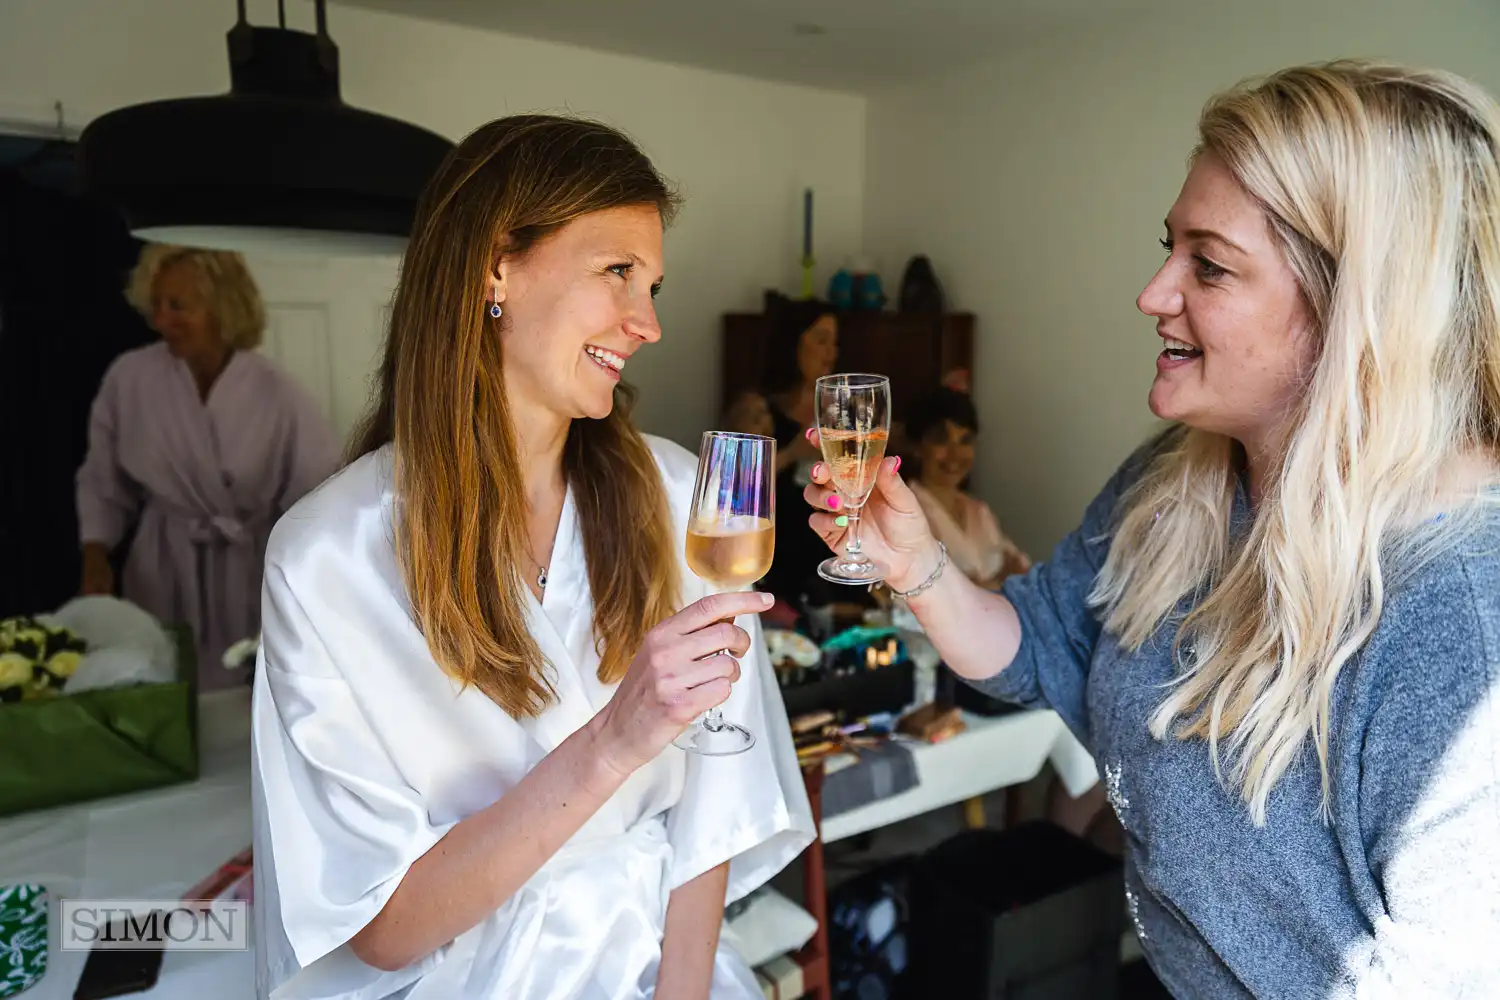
point(854, 422)
point(731, 538)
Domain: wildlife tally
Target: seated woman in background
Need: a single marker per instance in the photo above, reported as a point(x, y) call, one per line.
point(197, 444)
point(749, 413)
point(942, 428)
point(804, 345)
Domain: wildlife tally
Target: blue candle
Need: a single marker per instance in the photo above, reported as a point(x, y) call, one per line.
point(807, 224)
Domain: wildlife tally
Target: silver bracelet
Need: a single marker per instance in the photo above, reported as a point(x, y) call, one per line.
point(933, 578)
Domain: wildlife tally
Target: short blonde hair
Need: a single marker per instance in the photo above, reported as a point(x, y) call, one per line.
point(230, 291)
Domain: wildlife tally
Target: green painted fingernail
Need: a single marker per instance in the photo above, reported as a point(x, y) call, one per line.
point(842, 521)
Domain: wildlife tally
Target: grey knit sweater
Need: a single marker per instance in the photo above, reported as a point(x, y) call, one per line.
point(1397, 897)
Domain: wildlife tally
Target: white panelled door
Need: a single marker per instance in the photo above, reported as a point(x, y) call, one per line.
point(325, 325)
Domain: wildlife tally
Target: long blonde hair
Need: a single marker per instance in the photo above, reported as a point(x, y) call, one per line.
point(1381, 186)
point(460, 503)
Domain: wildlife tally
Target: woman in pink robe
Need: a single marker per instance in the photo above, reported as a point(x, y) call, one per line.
point(199, 444)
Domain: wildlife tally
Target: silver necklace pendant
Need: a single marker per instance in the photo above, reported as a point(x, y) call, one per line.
point(541, 579)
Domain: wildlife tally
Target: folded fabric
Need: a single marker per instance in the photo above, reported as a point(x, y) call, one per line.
point(768, 927)
point(881, 772)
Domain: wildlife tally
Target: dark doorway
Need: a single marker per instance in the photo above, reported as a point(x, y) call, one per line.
point(63, 318)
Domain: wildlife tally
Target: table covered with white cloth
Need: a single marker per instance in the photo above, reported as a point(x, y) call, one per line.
point(159, 843)
point(155, 844)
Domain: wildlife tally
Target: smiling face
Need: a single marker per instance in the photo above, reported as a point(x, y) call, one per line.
point(947, 453)
point(180, 313)
point(577, 306)
point(818, 349)
point(1237, 343)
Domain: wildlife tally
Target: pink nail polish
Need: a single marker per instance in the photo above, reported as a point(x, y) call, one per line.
point(817, 470)
point(808, 434)
point(896, 466)
point(833, 502)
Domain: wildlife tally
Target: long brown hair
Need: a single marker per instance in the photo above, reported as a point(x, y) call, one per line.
point(461, 507)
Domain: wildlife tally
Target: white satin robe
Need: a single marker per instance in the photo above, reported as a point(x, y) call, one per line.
point(365, 754)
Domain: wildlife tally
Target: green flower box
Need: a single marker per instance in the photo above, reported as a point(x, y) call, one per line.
point(109, 741)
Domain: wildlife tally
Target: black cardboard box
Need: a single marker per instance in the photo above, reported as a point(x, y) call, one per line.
point(1029, 913)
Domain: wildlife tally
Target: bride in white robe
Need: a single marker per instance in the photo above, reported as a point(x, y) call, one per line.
point(365, 757)
point(367, 754)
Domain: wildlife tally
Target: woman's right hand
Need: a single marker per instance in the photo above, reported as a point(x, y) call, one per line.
point(893, 531)
point(681, 672)
point(98, 575)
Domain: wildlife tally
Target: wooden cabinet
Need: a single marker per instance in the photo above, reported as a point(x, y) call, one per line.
point(916, 351)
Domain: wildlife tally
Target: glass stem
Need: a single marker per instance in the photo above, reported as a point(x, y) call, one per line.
point(852, 546)
point(713, 719)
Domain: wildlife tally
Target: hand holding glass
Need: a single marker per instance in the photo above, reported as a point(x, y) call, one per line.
point(731, 538)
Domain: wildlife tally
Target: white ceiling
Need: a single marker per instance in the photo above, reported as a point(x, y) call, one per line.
point(854, 45)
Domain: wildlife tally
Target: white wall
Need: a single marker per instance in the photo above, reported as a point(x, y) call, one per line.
point(1037, 183)
point(740, 150)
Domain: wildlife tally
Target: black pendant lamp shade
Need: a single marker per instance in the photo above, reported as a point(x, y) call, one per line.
point(280, 162)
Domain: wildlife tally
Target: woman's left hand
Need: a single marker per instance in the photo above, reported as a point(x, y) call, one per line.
point(98, 575)
point(893, 529)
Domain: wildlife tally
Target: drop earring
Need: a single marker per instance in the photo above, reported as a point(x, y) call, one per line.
point(495, 310)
